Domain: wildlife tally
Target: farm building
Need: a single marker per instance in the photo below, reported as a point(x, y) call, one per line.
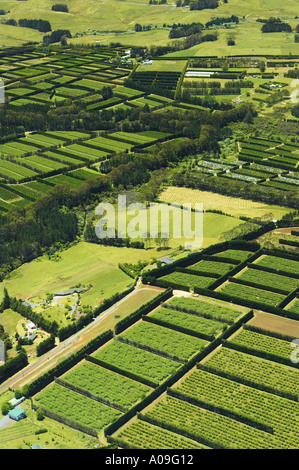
point(166, 260)
point(17, 414)
point(76, 290)
point(2, 353)
point(16, 401)
point(30, 337)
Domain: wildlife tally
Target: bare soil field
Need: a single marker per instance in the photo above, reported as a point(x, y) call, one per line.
point(275, 323)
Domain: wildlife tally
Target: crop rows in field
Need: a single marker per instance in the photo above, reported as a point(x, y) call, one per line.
point(75, 407)
point(262, 345)
point(121, 391)
point(237, 255)
point(251, 293)
point(255, 371)
point(245, 402)
point(164, 340)
point(149, 367)
point(177, 278)
point(215, 267)
point(64, 179)
point(204, 309)
point(207, 427)
point(182, 321)
point(293, 306)
point(7, 195)
point(266, 279)
point(249, 178)
point(280, 264)
point(280, 185)
point(142, 435)
point(157, 79)
point(254, 173)
point(31, 157)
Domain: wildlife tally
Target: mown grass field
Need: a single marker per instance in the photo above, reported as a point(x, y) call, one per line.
point(96, 21)
point(213, 227)
point(87, 263)
point(234, 206)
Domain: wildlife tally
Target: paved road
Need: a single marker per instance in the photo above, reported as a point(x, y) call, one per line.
point(63, 345)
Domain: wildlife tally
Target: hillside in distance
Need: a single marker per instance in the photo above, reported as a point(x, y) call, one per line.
point(114, 20)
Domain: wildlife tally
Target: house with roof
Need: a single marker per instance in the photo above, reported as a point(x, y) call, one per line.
point(16, 401)
point(17, 414)
point(36, 446)
point(166, 260)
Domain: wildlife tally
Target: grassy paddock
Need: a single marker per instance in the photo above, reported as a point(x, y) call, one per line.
point(231, 205)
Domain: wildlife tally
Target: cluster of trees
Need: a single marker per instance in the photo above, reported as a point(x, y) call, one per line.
point(157, 2)
point(60, 7)
point(292, 73)
point(25, 235)
point(222, 20)
point(56, 36)
point(182, 30)
point(198, 4)
point(4, 336)
point(295, 111)
point(46, 345)
point(203, 4)
point(235, 188)
point(91, 237)
point(275, 25)
point(41, 25)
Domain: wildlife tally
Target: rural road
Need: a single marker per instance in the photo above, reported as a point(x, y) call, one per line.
point(62, 347)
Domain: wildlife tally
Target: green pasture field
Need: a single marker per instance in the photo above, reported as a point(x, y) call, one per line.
point(213, 227)
point(65, 159)
point(70, 92)
point(123, 16)
point(19, 91)
point(163, 66)
point(93, 84)
point(44, 140)
point(68, 135)
point(25, 148)
point(84, 263)
point(10, 320)
point(45, 162)
point(238, 255)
